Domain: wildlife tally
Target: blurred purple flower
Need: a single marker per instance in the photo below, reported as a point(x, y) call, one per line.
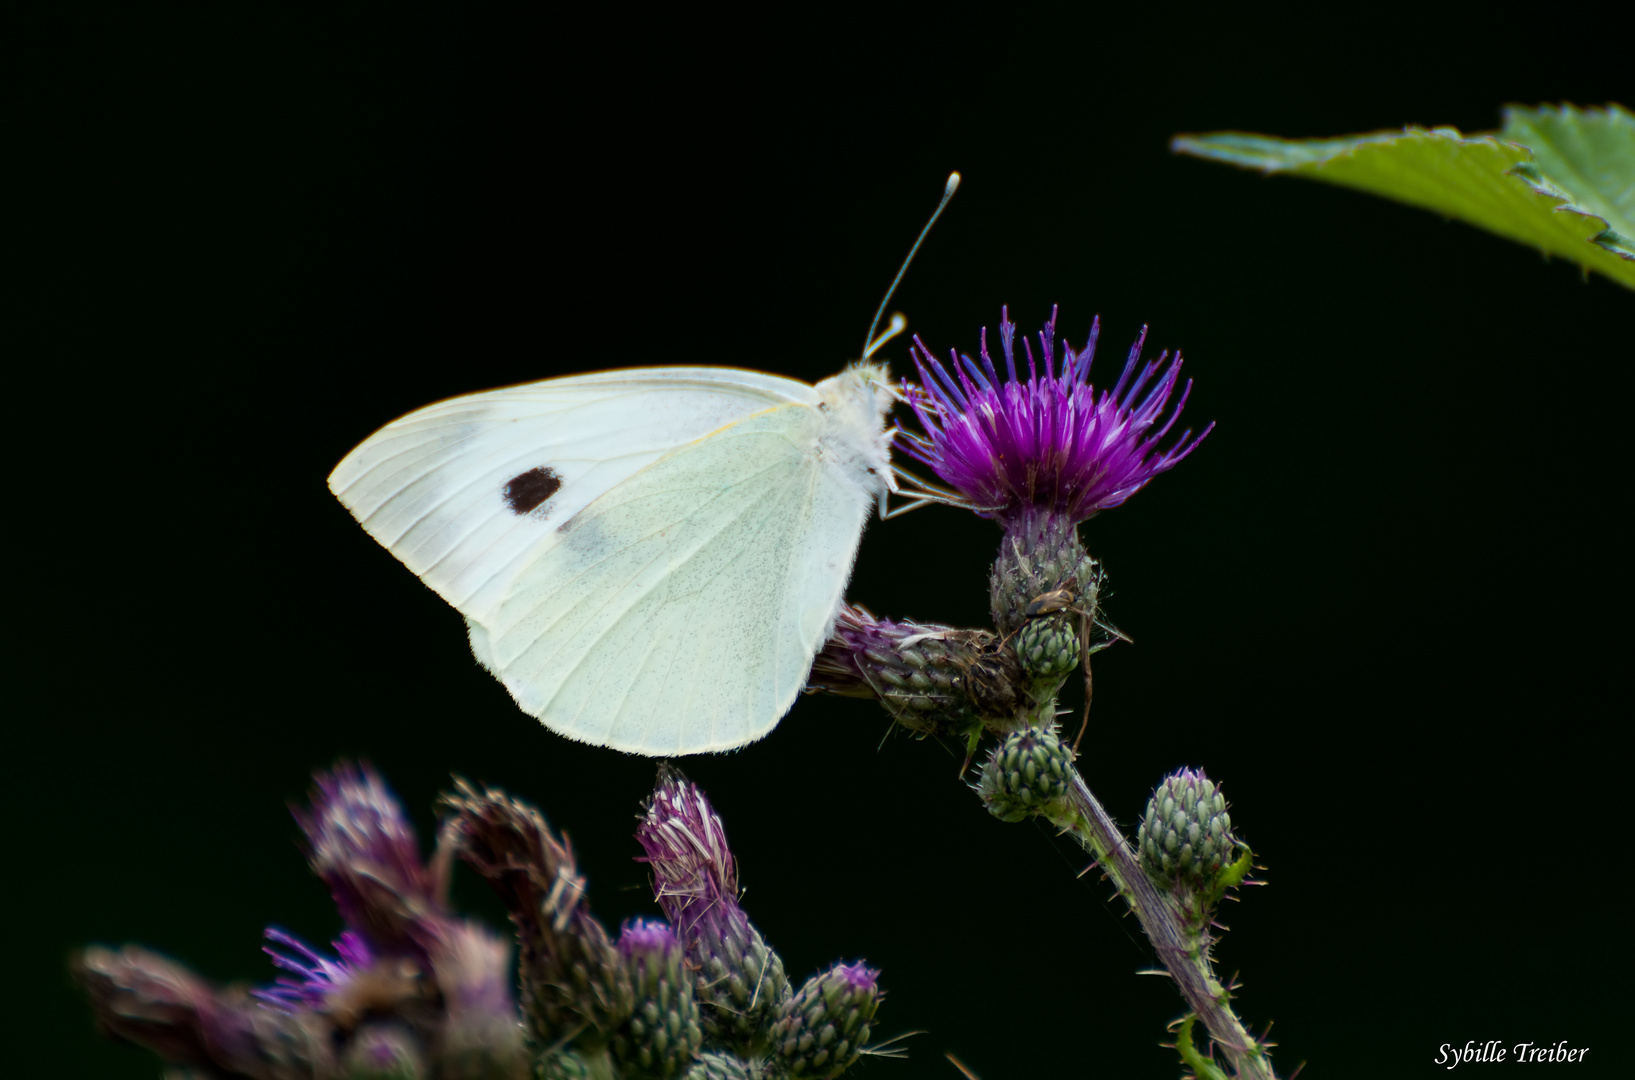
point(363, 847)
point(317, 975)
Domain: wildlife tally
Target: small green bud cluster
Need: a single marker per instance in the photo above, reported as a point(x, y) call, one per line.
point(1186, 835)
point(821, 1030)
point(1027, 773)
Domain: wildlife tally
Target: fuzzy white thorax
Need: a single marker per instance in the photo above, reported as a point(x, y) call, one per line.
point(856, 438)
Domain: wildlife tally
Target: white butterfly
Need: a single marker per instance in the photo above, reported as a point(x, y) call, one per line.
point(648, 559)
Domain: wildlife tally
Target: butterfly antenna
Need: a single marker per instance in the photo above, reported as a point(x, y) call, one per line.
point(947, 193)
point(896, 326)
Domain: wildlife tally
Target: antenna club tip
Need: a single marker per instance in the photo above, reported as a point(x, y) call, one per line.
point(953, 183)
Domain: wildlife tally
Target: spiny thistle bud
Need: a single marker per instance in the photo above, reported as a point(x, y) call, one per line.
point(722, 1067)
point(1048, 646)
point(821, 1030)
point(739, 980)
point(1186, 835)
point(383, 1052)
point(1027, 773)
point(573, 978)
point(663, 1034)
point(918, 672)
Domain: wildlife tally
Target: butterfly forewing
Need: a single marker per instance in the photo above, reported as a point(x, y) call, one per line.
point(464, 491)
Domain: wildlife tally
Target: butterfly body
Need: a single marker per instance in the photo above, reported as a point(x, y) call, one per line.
point(647, 559)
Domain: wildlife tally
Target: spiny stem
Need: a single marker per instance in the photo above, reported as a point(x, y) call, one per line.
point(1183, 950)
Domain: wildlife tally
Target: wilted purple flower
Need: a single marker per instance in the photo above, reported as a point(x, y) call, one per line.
point(572, 977)
point(740, 981)
point(1047, 441)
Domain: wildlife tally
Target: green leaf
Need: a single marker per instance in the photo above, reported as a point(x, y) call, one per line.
point(1590, 153)
point(1558, 179)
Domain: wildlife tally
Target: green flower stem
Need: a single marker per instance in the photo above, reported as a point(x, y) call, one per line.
point(1183, 949)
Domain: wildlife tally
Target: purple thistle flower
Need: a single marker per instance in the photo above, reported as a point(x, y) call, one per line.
point(1050, 441)
point(363, 847)
point(318, 976)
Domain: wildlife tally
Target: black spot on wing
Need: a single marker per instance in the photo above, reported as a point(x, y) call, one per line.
point(530, 490)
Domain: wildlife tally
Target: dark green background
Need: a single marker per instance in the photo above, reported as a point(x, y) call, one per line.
point(1386, 602)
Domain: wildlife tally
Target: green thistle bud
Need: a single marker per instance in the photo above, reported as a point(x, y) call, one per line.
point(1047, 647)
point(722, 1067)
point(821, 1030)
point(1026, 774)
point(383, 1052)
point(662, 1035)
point(1186, 835)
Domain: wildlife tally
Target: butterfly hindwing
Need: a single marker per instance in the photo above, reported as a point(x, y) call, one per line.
point(679, 611)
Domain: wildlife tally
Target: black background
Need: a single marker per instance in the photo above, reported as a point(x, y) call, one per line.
point(1386, 602)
